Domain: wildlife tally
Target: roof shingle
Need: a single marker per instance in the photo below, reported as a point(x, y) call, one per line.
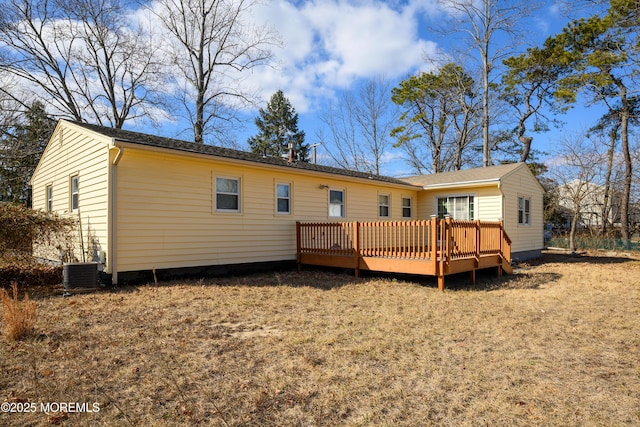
point(466, 176)
point(215, 151)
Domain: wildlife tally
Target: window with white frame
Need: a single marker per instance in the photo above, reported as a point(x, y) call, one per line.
point(524, 210)
point(383, 205)
point(75, 193)
point(458, 207)
point(49, 197)
point(228, 194)
point(406, 207)
point(283, 199)
point(336, 203)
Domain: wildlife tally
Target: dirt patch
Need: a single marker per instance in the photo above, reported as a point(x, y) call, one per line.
point(248, 330)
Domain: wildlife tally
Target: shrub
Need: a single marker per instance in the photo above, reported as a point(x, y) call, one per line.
point(23, 231)
point(30, 275)
point(19, 316)
point(22, 228)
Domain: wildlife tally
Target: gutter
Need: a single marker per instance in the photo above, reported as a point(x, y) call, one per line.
point(504, 201)
point(478, 183)
point(396, 182)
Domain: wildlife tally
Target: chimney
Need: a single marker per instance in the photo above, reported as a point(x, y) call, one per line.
point(291, 152)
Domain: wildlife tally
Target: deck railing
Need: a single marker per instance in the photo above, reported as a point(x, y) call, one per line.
point(333, 238)
point(406, 239)
point(440, 242)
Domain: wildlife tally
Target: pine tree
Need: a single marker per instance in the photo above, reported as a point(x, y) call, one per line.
point(21, 146)
point(278, 125)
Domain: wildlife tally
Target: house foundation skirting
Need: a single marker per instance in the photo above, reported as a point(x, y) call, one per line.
point(207, 271)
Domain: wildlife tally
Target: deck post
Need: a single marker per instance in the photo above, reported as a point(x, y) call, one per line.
point(501, 254)
point(298, 242)
point(445, 243)
point(356, 247)
point(478, 237)
point(433, 225)
point(501, 239)
point(478, 253)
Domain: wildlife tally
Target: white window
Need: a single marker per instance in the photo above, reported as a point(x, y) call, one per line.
point(336, 203)
point(383, 205)
point(524, 210)
point(75, 191)
point(406, 207)
point(49, 196)
point(228, 194)
point(283, 198)
point(458, 207)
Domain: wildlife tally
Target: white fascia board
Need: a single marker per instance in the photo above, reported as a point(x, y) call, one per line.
point(479, 183)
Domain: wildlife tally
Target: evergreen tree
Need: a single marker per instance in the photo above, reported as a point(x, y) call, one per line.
point(278, 125)
point(440, 121)
point(21, 147)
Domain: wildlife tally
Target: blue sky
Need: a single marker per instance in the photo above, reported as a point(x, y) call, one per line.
point(333, 45)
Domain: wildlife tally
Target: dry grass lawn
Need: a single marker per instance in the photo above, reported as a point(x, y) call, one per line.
point(557, 344)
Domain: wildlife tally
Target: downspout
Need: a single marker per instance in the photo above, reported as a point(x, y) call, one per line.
point(112, 217)
point(503, 201)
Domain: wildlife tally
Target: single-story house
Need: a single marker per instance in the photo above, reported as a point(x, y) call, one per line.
point(152, 203)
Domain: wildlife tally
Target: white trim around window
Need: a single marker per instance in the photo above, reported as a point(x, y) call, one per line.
point(407, 207)
point(458, 207)
point(384, 205)
point(524, 210)
point(283, 198)
point(227, 194)
point(49, 198)
point(337, 205)
point(74, 193)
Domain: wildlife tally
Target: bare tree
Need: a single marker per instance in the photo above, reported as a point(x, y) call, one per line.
point(82, 56)
point(483, 22)
point(119, 58)
point(359, 126)
point(577, 170)
point(212, 42)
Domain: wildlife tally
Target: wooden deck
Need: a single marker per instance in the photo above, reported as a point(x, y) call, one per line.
point(430, 247)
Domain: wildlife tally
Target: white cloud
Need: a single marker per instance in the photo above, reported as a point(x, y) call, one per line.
point(330, 44)
point(555, 9)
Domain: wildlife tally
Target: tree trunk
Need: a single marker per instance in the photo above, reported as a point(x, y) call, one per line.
point(572, 231)
point(486, 154)
point(624, 133)
point(606, 202)
point(526, 147)
point(626, 193)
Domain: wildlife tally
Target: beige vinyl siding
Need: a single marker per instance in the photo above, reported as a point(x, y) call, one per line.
point(86, 155)
point(520, 183)
point(166, 216)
